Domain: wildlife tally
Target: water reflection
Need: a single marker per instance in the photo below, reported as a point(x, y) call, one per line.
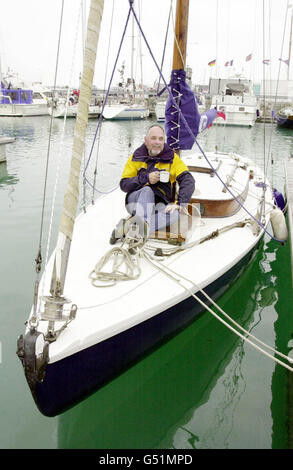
point(20, 128)
point(189, 393)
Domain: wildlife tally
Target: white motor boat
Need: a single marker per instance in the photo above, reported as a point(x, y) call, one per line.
point(22, 102)
point(237, 100)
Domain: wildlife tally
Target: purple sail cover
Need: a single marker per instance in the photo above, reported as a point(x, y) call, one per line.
point(178, 135)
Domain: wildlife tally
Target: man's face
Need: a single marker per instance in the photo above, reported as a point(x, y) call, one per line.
point(154, 141)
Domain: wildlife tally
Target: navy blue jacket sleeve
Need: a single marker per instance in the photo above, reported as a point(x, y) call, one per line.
point(136, 182)
point(186, 187)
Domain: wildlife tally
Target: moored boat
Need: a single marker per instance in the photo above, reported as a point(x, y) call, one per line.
point(284, 117)
point(20, 101)
point(237, 100)
point(125, 112)
point(85, 326)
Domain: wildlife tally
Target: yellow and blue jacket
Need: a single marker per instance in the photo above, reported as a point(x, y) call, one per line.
point(140, 164)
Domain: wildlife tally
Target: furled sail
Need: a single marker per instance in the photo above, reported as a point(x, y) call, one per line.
point(178, 134)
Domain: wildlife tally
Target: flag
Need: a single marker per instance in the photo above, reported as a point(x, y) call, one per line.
point(212, 63)
point(248, 57)
point(221, 114)
point(266, 61)
point(229, 63)
point(286, 61)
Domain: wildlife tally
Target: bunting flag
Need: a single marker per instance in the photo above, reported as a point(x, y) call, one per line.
point(266, 61)
point(212, 63)
point(286, 61)
point(248, 58)
point(221, 114)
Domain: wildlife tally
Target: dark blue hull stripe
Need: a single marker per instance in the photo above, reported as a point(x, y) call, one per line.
point(73, 378)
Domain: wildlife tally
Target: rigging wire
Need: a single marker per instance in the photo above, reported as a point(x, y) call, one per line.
point(165, 44)
point(33, 320)
point(121, 256)
point(174, 276)
point(277, 85)
point(103, 99)
point(60, 152)
point(50, 131)
point(104, 103)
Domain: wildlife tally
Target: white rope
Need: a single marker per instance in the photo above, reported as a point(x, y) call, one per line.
point(120, 257)
point(178, 281)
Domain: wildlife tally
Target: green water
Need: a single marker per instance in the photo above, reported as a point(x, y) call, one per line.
point(203, 389)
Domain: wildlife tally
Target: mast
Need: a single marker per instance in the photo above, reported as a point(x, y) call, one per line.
point(54, 304)
point(181, 30)
point(132, 58)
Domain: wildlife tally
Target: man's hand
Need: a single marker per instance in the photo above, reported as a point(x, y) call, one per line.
point(172, 208)
point(154, 177)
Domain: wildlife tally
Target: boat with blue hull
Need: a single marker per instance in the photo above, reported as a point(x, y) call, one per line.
point(98, 308)
point(97, 365)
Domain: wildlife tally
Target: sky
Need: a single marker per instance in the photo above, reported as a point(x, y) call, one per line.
point(224, 30)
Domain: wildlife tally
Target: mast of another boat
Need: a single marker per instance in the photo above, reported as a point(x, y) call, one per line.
point(132, 60)
point(55, 302)
point(290, 45)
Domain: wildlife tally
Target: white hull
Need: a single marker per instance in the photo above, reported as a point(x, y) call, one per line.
point(237, 119)
point(239, 110)
point(125, 112)
point(160, 111)
point(59, 111)
point(18, 110)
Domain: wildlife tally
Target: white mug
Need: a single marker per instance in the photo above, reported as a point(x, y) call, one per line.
point(164, 176)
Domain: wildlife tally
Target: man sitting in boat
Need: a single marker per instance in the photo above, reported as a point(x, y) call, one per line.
point(148, 178)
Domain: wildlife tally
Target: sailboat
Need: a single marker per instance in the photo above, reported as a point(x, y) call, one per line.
point(59, 109)
point(129, 103)
point(86, 325)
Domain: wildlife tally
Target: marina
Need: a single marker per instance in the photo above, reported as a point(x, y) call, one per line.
point(249, 412)
point(193, 349)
